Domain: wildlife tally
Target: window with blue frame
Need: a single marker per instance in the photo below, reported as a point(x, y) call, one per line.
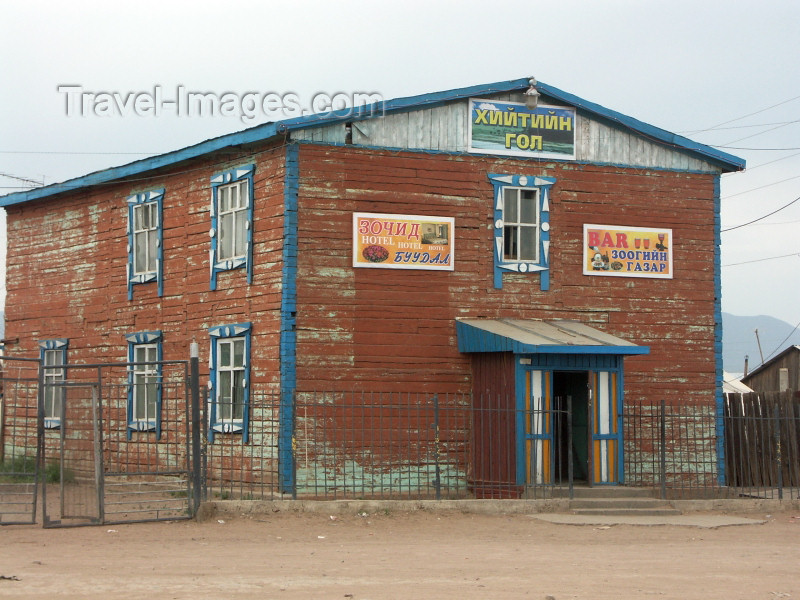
point(145, 382)
point(53, 354)
point(230, 380)
point(145, 240)
point(521, 226)
point(232, 222)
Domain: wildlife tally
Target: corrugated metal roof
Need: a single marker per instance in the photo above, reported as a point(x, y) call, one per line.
point(533, 336)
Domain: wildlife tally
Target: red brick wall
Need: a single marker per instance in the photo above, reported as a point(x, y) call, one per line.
point(67, 269)
point(392, 329)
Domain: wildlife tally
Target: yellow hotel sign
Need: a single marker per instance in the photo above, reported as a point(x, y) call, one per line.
point(403, 242)
point(627, 251)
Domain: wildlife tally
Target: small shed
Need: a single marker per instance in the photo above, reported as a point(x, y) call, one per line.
point(778, 374)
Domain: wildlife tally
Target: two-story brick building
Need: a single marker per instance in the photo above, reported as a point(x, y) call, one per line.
point(511, 241)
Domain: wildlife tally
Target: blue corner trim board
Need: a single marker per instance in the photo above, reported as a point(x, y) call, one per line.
point(281, 129)
point(718, 400)
point(288, 340)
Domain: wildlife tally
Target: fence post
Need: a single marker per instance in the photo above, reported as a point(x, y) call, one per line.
point(779, 458)
point(194, 386)
point(663, 449)
point(569, 447)
point(437, 481)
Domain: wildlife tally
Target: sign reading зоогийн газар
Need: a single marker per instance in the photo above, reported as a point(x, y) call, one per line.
point(627, 251)
point(514, 129)
point(403, 241)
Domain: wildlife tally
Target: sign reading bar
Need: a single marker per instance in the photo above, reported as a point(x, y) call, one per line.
point(514, 129)
point(403, 242)
point(627, 251)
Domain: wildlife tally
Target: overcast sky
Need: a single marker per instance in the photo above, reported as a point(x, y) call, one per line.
point(724, 73)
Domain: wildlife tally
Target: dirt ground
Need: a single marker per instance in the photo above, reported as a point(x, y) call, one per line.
point(401, 555)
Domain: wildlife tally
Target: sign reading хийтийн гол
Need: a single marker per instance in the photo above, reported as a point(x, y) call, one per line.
point(514, 129)
point(403, 241)
point(627, 251)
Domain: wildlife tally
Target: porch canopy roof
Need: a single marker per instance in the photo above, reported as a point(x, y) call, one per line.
point(535, 336)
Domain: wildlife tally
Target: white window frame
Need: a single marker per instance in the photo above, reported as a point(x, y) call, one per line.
point(146, 224)
point(540, 262)
point(229, 380)
point(150, 342)
point(150, 203)
point(53, 354)
point(232, 226)
point(233, 206)
point(518, 226)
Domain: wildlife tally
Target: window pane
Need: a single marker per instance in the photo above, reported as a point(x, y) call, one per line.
point(510, 243)
point(224, 354)
point(223, 198)
point(139, 397)
point(528, 207)
point(152, 390)
point(509, 205)
point(233, 190)
point(224, 399)
point(140, 252)
point(238, 353)
point(241, 233)
point(244, 194)
point(152, 240)
point(226, 236)
point(527, 243)
point(238, 395)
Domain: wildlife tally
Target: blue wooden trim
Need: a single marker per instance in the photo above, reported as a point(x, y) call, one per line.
point(542, 266)
point(138, 339)
point(719, 406)
point(244, 172)
point(288, 340)
point(216, 333)
point(268, 131)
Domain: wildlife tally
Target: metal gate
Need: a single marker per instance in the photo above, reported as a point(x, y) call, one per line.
point(112, 443)
point(19, 440)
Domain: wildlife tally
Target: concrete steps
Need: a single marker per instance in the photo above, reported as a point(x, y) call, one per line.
point(619, 501)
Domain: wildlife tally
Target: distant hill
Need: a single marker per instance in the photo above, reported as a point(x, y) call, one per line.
point(739, 340)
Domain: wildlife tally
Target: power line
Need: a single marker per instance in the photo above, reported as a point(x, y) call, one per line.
point(747, 115)
point(747, 262)
point(761, 187)
point(761, 218)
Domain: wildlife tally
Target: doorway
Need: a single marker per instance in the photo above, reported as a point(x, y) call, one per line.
point(575, 385)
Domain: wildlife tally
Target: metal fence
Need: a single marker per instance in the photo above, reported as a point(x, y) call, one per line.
point(448, 446)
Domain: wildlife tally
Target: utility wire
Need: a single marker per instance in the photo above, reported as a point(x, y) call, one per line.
point(761, 218)
point(747, 262)
point(745, 116)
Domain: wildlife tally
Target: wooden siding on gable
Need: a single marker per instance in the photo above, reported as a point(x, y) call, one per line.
point(446, 128)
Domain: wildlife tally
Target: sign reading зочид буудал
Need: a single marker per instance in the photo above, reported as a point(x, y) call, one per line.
point(403, 241)
point(514, 129)
point(627, 251)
